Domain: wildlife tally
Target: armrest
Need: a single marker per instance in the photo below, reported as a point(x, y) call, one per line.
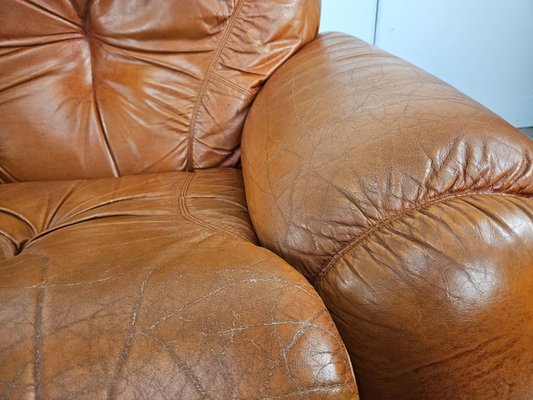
point(409, 206)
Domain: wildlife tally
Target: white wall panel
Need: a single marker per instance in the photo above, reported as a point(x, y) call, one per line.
point(482, 47)
point(355, 17)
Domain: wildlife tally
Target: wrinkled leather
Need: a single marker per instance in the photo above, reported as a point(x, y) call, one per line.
point(410, 208)
point(152, 286)
point(437, 303)
point(406, 204)
point(119, 87)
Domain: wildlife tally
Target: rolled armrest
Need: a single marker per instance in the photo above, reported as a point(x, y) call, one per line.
point(409, 206)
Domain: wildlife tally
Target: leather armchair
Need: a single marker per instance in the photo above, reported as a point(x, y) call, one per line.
point(377, 239)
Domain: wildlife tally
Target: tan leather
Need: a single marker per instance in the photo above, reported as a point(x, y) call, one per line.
point(410, 208)
point(120, 87)
point(408, 205)
point(152, 287)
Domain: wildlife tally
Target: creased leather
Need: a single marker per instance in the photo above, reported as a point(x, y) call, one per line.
point(409, 206)
point(438, 303)
point(151, 286)
point(120, 87)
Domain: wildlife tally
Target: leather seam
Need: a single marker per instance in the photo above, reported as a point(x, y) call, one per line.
point(207, 79)
point(351, 244)
point(185, 212)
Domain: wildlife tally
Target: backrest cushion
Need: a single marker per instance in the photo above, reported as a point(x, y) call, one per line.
point(92, 88)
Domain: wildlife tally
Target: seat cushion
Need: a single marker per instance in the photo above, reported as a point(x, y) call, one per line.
point(152, 286)
point(95, 88)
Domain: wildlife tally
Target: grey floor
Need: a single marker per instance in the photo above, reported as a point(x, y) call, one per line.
point(528, 131)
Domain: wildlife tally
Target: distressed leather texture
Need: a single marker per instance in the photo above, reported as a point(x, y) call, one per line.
point(409, 206)
point(120, 87)
point(153, 287)
point(382, 219)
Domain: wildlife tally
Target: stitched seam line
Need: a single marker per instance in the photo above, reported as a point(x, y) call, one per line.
point(206, 81)
point(350, 245)
point(191, 218)
point(232, 85)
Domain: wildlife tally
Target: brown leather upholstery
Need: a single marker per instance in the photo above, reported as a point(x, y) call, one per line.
point(409, 206)
point(152, 287)
point(120, 87)
point(406, 204)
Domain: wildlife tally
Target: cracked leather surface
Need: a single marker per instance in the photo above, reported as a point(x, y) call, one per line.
point(409, 206)
point(152, 286)
point(120, 87)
